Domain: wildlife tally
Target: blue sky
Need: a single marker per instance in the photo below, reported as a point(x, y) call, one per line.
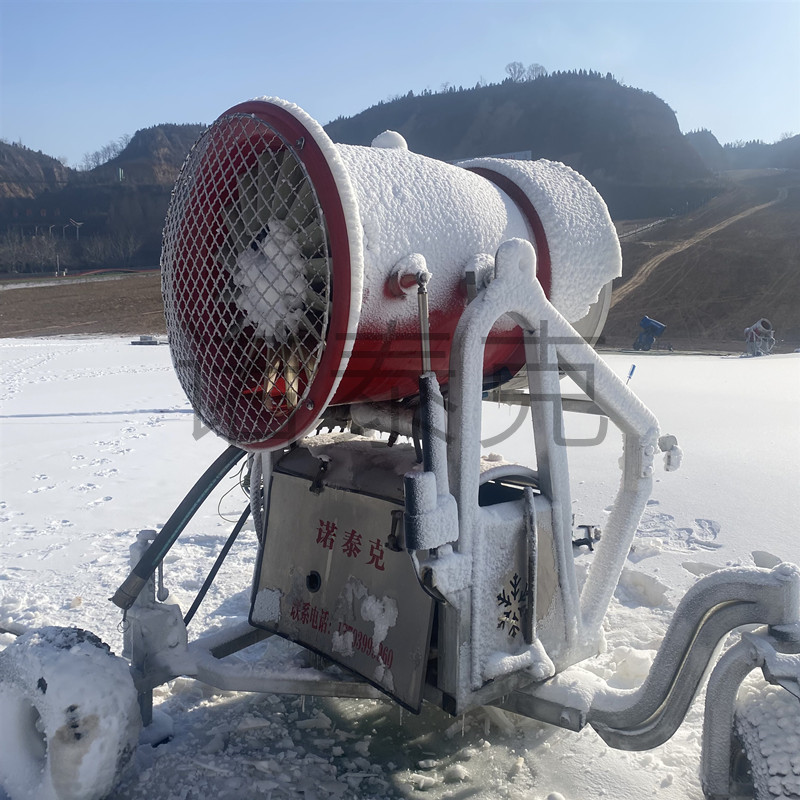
point(76, 74)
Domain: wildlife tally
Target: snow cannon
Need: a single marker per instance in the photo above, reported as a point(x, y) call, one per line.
point(379, 294)
point(760, 338)
point(292, 266)
point(651, 330)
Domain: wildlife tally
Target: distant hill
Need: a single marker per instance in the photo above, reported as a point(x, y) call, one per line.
point(154, 155)
point(25, 173)
point(120, 205)
point(784, 154)
point(626, 141)
point(709, 149)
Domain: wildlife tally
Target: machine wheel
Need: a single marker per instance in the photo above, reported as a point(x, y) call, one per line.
point(767, 727)
point(69, 718)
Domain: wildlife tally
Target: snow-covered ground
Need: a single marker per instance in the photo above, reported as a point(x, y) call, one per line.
point(97, 443)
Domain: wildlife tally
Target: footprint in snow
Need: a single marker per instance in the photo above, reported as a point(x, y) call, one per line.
point(656, 524)
point(659, 525)
point(99, 501)
point(86, 487)
point(132, 433)
point(41, 489)
point(48, 551)
point(705, 533)
point(104, 473)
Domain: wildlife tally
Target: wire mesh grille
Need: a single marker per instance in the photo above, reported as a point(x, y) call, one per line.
point(246, 278)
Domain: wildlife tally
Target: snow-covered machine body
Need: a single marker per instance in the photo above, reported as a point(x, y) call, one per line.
point(310, 286)
point(290, 266)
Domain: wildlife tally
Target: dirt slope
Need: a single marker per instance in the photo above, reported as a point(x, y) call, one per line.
point(710, 274)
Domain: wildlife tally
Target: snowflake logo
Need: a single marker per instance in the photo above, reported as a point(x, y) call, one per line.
point(512, 603)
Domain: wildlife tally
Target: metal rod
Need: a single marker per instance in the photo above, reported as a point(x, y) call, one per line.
point(217, 564)
point(424, 324)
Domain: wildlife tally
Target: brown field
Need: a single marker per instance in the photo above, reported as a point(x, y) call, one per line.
point(125, 305)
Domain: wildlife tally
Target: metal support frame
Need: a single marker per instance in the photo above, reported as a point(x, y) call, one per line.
point(159, 650)
point(552, 345)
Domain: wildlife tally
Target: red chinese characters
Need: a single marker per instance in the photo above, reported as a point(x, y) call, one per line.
point(350, 544)
point(326, 533)
point(308, 614)
point(376, 554)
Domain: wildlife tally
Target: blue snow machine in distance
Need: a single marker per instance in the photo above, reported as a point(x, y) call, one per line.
point(651, 330)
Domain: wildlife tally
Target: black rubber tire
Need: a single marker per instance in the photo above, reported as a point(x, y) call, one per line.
point(767, 726)
point(69, 716)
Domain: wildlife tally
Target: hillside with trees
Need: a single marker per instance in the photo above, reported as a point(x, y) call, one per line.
point(755, 154)
point(626, 141)
point(110, 211)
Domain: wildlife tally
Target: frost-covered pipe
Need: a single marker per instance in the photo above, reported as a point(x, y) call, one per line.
point(384, 417)
point(715, 763)
point(646, 717)
point(635, 488)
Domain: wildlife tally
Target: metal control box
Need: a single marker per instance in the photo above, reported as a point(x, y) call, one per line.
point(346, 586)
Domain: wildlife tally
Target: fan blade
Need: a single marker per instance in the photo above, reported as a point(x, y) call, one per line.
point(317, 268)
point(228, 294)
point(303, 206)
point(317, 302)
point(232, 220)
point(235, 329)
point(311, 238)
point(289, 175)
point(248, 204)
point(292, 379)
point(226, 257)
point(267, 171)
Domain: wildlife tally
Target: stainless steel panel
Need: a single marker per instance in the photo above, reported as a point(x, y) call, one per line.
point(330, 580)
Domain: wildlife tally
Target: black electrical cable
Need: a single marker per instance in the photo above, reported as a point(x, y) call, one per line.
point(217, 564)
point(126, 595)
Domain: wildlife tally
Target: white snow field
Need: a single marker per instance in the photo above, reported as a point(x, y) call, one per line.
point(97, 443)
